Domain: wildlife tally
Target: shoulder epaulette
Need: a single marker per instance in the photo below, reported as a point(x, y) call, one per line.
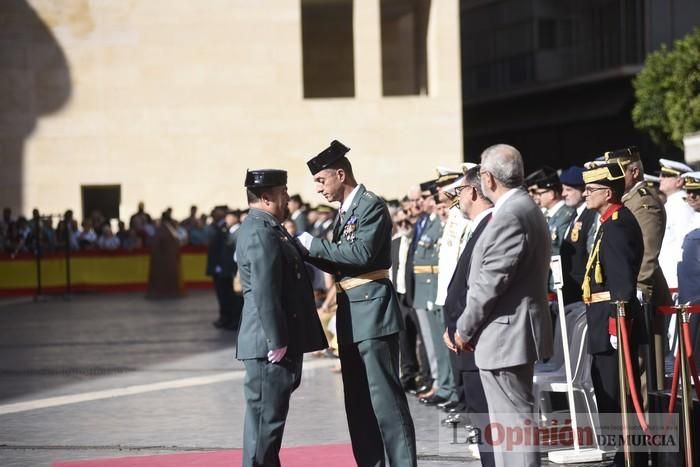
point(369, 195)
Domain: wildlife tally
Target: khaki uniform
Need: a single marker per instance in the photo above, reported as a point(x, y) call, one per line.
point(644, 202)
point(646, 206)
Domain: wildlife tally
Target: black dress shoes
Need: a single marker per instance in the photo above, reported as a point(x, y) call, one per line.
point(432, 400)
point(409, 386)
point(420, 390)
point(219, 324)
point(452, 419)
point(447, 405)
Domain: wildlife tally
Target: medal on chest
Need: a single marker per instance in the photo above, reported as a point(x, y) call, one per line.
point(350, 229)
point(575, 231)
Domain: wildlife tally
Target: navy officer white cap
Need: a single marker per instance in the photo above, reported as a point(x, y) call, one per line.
point(673, 168)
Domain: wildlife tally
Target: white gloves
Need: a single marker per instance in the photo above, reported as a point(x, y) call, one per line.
point(275, 356)
point(305, 239)
point(613, 342)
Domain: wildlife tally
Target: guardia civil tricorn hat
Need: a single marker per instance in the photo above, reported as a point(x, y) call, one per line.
point(262, 178)
point(543, 178)
point(327, 157)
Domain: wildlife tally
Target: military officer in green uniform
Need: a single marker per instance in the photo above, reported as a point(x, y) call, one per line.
point(368, 319)
point(279, 321)
point(548, 194)
point(425, 270)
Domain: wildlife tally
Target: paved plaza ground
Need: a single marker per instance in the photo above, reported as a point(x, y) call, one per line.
point(102, 376)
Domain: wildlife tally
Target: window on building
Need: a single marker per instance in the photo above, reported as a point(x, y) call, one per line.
point(327, 48)
point(103, 198)
point(404, 26)
point(547, 33)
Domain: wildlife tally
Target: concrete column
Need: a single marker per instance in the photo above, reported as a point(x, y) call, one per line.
point(444, 69)
point(368, 49)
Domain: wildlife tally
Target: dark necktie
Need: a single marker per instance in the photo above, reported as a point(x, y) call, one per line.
point(574, 218)
point(341, 219)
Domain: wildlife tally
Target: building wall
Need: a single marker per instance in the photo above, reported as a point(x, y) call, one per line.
point(174, 99)
point(554, 77)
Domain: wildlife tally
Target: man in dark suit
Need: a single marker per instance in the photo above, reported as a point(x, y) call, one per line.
point(221, 267)
point(611, 275)
point(279, 322)
point(506, 319)
point(368, 319)
point(578, 238)
point(477, 208)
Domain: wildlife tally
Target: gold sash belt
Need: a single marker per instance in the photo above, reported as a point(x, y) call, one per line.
point(362, 279)
point(599, 297)
point(426, 269)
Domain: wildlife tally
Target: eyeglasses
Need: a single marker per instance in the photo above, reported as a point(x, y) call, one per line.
point(590, 189)
point(459, 189)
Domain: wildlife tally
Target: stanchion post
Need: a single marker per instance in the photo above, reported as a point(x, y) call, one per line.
point(658, 339)
point(37, 249)
point(68, 234)
point(682, 316)
point(621, 313)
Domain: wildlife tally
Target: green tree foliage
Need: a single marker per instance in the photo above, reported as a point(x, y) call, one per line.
point(667, 92)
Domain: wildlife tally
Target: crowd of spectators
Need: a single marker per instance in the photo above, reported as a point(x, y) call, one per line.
point(55, 233)
point(95, 232)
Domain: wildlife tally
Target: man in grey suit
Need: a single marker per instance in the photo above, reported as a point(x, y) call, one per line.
point(506, 321)
point(279, 321)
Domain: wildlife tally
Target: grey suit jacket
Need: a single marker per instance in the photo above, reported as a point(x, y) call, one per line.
point(506, 316)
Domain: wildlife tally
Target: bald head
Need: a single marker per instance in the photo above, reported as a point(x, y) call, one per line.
point(505, 163)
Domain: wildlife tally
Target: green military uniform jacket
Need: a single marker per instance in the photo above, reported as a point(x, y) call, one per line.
point(644, 202)
point(425, 264)
point(279, 308)
point(361, 243)
point(558, 224)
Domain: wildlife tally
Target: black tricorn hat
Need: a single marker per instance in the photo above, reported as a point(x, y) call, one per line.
point(430, 185)
point(327, 157)
point(265, 178)
point(546, 177)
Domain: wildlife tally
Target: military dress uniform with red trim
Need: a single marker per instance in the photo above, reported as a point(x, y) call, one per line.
point(611, 274)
